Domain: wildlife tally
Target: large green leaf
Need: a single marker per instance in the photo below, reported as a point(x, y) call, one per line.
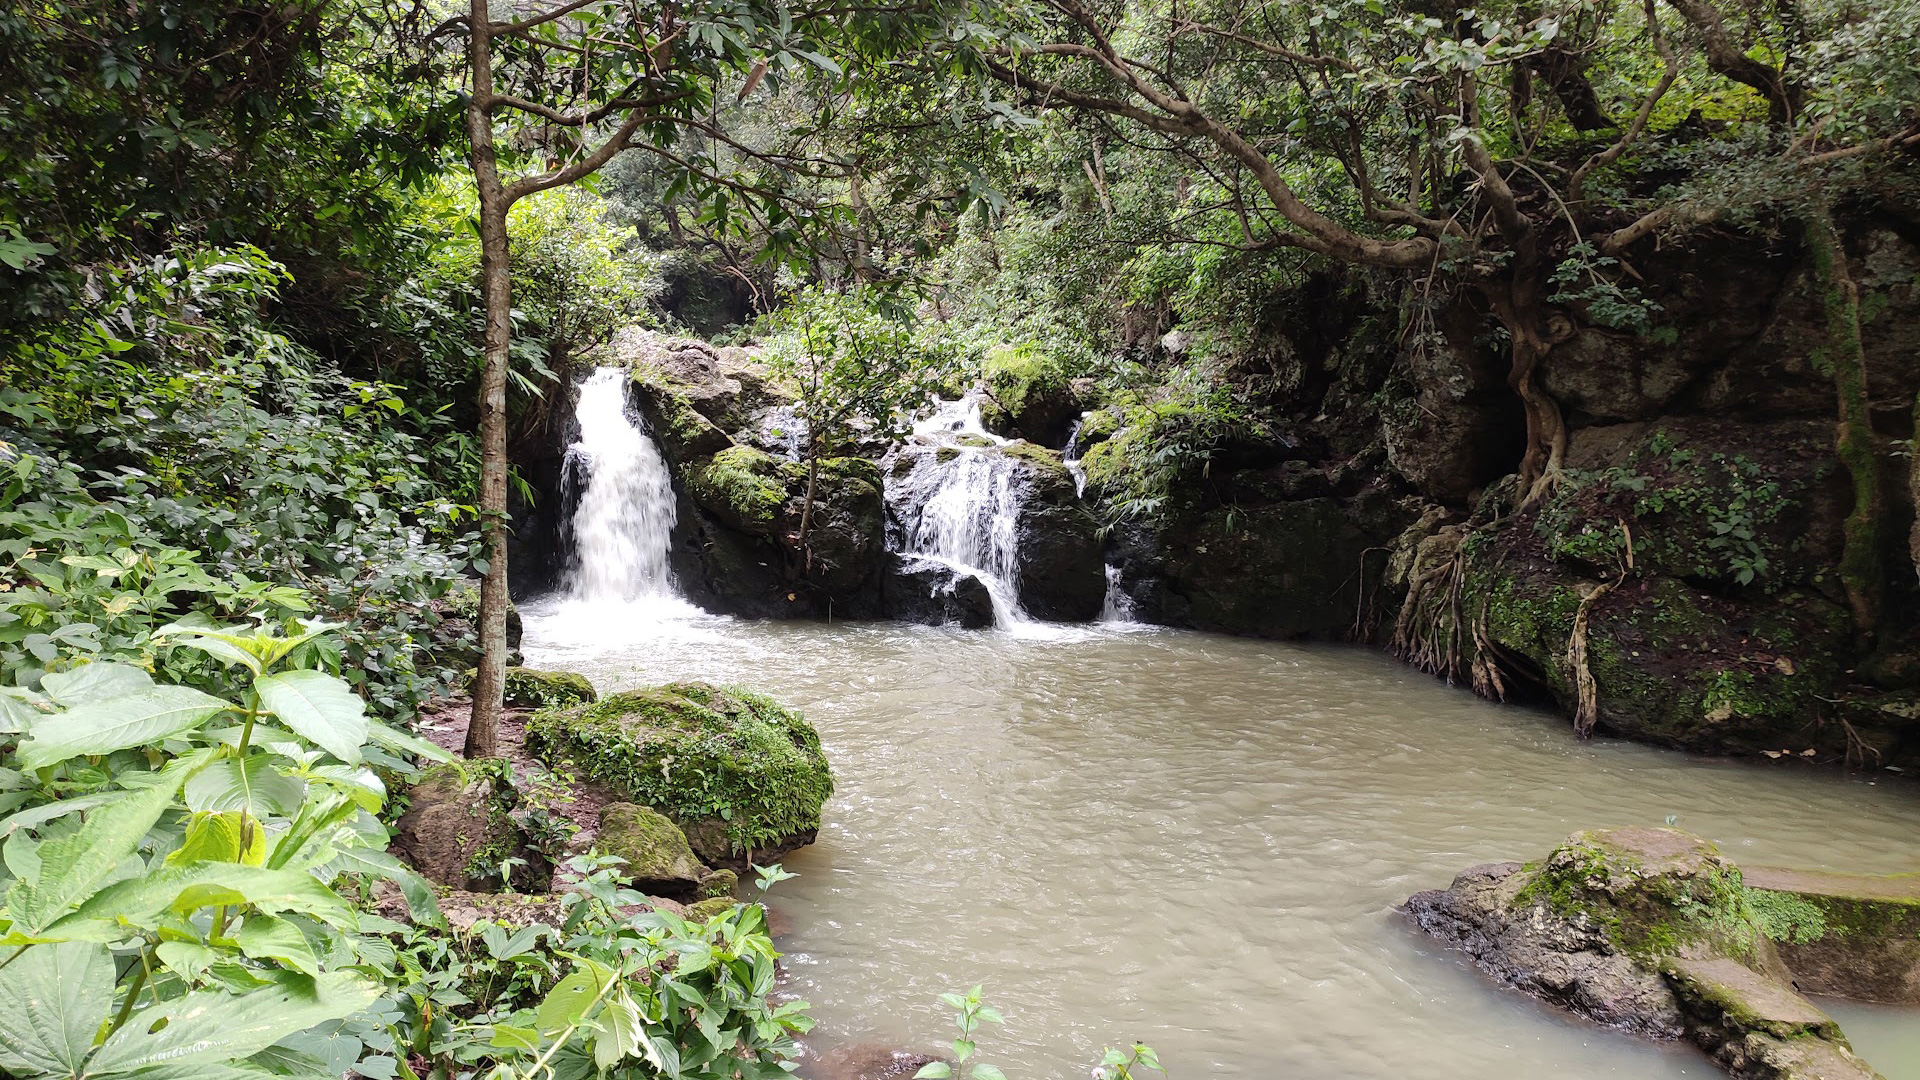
point(52, 999)
point(74, 865)
point(403, 744)
point(264, 937)
point(215, 1028)
point(182, 889)
point(232, 836)
point(252, 785)
point(318, 707)
point(423, 905)
point(102, 680)
point(573, 998)
point(108, 724)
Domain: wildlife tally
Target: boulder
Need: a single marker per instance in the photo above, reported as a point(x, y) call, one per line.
point(531, 688)
point(1652, 931)
point(863, 1061)
point(1062, 570)
point(1288, 569)
point(932, 593)
point(460, 830)
point(743, 777)
point(657, 857)
point(1028, 395)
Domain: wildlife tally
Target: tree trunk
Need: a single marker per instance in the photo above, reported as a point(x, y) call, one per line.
point(806, 508)
point(1860, 557)
point(1520, 312)
point(496, 284)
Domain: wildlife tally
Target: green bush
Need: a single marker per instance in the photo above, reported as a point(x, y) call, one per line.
point(696, 753)
point(528, 688)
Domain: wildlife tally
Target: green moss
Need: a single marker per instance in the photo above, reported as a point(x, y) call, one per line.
point(720, 883)
point(1786, 917)
point(529, 688)
point(1034, 454)
point(697, 752)
point(707, 909)
point(1016, 374)
point(745, 481)
point(653, 847)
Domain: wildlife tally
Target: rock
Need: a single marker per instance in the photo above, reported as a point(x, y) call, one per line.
point(741, 776)
point(1569, 963)
point(1284, 570)
point(708, 908)
point(719, 883)
point(864, 1061)
point(531, 688)
point(738, 547)
point(922, 591)
point(459, 829)
point(1649, 930)
point(1028, 395)
point(1450, 427)
point(1062, 570)
point(1844, 934)
point(658, 859)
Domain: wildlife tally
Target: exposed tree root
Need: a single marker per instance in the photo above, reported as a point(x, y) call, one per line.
point(1586, 711)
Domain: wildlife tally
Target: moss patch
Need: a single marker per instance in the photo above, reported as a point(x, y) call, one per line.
point(698, 753)
point(654, 849)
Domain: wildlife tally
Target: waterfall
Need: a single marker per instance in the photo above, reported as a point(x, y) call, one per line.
point(1118, 606)
point(961, 504)
point(622, 522)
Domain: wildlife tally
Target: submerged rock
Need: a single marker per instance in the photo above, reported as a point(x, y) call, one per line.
point(1652, 931)
point(743, 777)
point(864, 1061)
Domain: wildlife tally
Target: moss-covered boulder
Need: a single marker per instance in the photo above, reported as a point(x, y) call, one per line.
point(742, 776)
point(1649, 930)
point(460, 830)
point(1028, 395)
point(1848, 935)
point(653, 848)
point(531, 688)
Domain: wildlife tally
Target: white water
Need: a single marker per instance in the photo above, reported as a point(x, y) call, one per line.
point(966, 510)
point(622, 524)
point(1118, 606)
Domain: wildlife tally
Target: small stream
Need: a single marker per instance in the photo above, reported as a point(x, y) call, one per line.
point(1198, 841)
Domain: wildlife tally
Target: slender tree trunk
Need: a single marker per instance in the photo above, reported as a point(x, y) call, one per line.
point(496, 286)
point(1519, 310)
point(1861, 567)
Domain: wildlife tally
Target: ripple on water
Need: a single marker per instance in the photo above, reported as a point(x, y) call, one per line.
point(1195, 841)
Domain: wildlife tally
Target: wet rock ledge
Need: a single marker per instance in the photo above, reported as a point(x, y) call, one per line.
point(1653, 931)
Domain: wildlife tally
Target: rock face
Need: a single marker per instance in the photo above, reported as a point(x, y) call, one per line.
point(743, 777)
point(460, 829)
point(1845, 934)
point(1651, 931)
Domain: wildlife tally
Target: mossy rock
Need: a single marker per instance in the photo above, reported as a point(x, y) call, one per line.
point(735, 770)
point(654, 849)
point(707, 909)
point(719, 883)
point(531, 688)
point(460, 830)
point(742, 486)
point(1028, 394)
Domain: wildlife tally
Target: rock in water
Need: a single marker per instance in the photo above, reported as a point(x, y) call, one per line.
point(743, 777)
point(1652, 931)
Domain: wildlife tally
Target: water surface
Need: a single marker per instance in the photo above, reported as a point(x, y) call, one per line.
point(1196, 841)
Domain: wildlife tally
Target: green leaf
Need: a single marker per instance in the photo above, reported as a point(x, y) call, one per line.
point(320, 708)
point(74, 865)
point(572, 997)
point(621, 1029)
point(252, 785)
point(234, 836)
point(423, 905)
point(101, 680)
point(184, 889)
point(103, 726)
point(217, 1027)
point(983, 1071)
point(264, 937)
point(934, 1070)
point(399, 742)
point(53, 998)
point(508, 1037)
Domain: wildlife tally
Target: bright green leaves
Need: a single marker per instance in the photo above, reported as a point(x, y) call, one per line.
point(54, 997)
point(252, 784)
point(233, 836)
point(103, 725)
point(75, 864)
point(213, 1027)
point(318, 707)
point(575, 997)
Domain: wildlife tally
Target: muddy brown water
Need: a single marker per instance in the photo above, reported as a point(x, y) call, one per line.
point(1198, 842)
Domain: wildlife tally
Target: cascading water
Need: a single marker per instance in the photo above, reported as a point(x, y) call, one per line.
point(1118, 606)
point(960, 503)
point(622, 521)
